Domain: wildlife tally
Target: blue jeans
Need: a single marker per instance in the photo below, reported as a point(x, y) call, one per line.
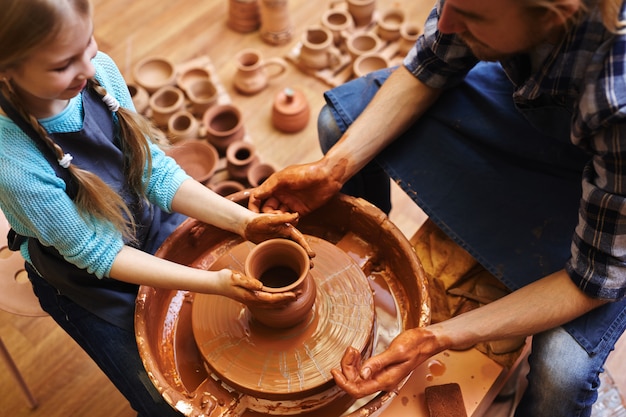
point(113, 349)
point(491, 176)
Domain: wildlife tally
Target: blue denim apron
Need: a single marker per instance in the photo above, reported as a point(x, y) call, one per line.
point(96, 148)
point(503, 182)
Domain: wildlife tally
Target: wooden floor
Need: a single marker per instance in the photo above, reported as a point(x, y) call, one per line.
point(63, 379)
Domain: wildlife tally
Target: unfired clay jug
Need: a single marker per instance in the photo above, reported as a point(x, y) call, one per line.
point(282, 265)
point(254, 73)
point(318, 50)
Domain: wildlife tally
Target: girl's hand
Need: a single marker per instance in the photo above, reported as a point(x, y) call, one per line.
point(246, 290)
point(268, 226)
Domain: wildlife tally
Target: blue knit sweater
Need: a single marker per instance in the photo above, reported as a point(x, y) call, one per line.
point(34, 200)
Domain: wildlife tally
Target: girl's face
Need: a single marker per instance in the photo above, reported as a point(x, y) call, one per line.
point(57, 70)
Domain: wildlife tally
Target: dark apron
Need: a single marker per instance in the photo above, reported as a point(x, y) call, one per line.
point(96, 148)
point(503, 182)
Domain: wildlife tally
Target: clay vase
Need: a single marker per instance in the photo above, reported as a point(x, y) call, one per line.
point(258, 173)
point(276, 24)
point(361, 43)
point(254, 73)
point(388, 26)
point(282, 265)
point(164, 103)
point(243, 15)
point(140, 97)
point(240, 156)
point(202, 94)
point(198, 158)
point(290, 111)
point(227, 187)
point(362, 11)
point(224, 125)
point(153, 73)
point(182, 125)
point(318, 51)
point(189, 75)
point(409, 33)
point(367, 63)
point(339, 22)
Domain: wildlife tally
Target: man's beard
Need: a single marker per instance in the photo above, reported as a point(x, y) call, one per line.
point(480, 50)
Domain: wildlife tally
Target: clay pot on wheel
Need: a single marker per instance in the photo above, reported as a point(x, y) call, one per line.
point(282, 265)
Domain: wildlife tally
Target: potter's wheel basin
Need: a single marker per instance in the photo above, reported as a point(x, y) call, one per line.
point(163, 317)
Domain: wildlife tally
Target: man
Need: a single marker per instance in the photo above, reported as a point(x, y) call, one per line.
point(501, 111)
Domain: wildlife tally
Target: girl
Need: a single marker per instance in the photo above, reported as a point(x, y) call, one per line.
point(91, 198)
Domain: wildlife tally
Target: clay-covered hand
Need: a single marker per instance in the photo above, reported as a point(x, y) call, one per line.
point(272, 225)
point(385, 371)
point(297, 188)
point(239, 287)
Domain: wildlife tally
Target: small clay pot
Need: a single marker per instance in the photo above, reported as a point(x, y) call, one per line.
point(362, 11)
point(140, 97)
point(191, 74)
point(290, 112)
point(227, 187)
point(258, 173)
point(182, 125)
point(198, 158)
point(164, 103)
point(282, 265)
point(318, 50)
point(243, 15)
point(224, 125)
point(360, 43)
point(339, 22)
point(367, 63)
point(153, 73)
point(409, 33)
point(240, 156)
point(388, 26)
point(202, 94)
point(276, 27)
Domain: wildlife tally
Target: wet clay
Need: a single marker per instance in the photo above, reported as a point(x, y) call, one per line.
point(165, 335)
point(288, 363)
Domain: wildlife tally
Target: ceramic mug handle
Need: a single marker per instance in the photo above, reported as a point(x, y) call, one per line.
point(278, 66)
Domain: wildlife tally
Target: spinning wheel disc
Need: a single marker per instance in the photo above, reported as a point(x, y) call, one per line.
point(286, 363)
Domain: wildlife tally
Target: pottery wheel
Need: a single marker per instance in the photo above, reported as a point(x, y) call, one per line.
point(286, 363)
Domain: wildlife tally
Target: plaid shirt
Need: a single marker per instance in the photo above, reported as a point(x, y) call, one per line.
point(587, 73)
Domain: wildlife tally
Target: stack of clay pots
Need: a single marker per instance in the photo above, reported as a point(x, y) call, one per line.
point(206, 132)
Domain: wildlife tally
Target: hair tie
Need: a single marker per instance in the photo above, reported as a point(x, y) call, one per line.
point(111, 102)
point(66, 160)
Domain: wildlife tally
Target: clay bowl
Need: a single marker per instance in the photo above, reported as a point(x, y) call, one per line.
point(163, 317)
point(153, 73)
point(198, 158)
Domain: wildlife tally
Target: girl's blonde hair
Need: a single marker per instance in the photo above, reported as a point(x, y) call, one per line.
point(24, 26)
